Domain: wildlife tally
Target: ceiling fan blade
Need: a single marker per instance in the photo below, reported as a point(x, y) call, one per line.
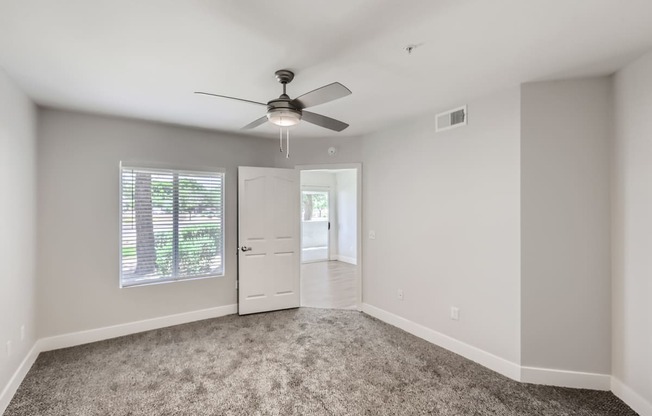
point(321, 95)
point(255, 123)
point(230, 98)
point(323, 121)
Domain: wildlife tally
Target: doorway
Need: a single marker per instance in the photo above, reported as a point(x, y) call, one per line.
point(330, 236)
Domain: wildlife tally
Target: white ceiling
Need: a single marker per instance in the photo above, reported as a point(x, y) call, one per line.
point(144, 58)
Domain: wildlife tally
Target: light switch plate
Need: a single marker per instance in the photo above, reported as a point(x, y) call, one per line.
point(455, 313)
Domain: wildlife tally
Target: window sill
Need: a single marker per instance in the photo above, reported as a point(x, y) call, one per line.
point(165, 281)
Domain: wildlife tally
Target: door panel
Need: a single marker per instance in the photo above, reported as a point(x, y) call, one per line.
point(268, 224)
point(287, 198)
point(252, 218)
point(254, 267)
point(284, 268)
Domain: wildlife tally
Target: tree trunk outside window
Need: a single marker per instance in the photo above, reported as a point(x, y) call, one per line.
point(307, 207)
point(145, 249)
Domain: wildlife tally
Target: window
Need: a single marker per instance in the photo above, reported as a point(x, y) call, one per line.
point(171, 225)
point(314, 205)
point(315, 226)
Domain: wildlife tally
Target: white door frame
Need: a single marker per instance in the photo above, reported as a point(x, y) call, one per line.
point(358, 168)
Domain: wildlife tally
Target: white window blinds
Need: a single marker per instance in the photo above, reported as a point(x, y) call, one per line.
point(172, 225)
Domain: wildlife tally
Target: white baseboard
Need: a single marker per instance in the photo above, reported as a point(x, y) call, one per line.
point(350, 260)
point(491, 361)
point(564, 378)
point(11, 387)
point(114, 331)
point(631, 398)
point(100, 334)
point(500, 365)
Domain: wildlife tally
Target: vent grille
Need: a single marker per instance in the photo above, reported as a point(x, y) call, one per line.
point(451, 119)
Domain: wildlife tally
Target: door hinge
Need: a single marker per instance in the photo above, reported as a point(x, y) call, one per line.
point(329, 225)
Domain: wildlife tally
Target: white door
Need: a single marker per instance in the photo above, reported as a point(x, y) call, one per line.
point(268, 236)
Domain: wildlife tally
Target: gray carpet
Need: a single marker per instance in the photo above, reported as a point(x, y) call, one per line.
point(296, 362)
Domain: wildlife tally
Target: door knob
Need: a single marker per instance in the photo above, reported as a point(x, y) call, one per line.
point(245, 248)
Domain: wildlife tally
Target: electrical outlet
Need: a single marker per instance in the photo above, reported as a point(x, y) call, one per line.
point(455, 313)
point(400, 294)
point(22, 332)
point(372, 235)
point(8, 348)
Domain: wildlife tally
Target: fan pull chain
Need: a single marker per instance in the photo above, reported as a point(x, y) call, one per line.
point(287, 142)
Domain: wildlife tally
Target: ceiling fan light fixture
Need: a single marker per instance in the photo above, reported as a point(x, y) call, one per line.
point(284, 117)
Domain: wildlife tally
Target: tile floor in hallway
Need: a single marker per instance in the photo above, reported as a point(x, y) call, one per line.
point(329, 284)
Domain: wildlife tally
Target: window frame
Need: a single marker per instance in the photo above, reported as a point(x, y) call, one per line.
point(180, 171)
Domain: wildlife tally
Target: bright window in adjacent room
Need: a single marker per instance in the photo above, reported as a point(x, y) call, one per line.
point(171, 225)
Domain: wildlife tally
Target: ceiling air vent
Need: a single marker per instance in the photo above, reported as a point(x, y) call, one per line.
point(451, 119)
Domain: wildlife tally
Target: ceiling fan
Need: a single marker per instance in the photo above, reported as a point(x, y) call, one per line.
point(285, 112)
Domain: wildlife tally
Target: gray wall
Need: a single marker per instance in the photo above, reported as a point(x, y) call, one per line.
point(314, 151)
point(632, 229)
point(78, 157)
point(565, 140)
point(18, 216)
point(445, 209)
